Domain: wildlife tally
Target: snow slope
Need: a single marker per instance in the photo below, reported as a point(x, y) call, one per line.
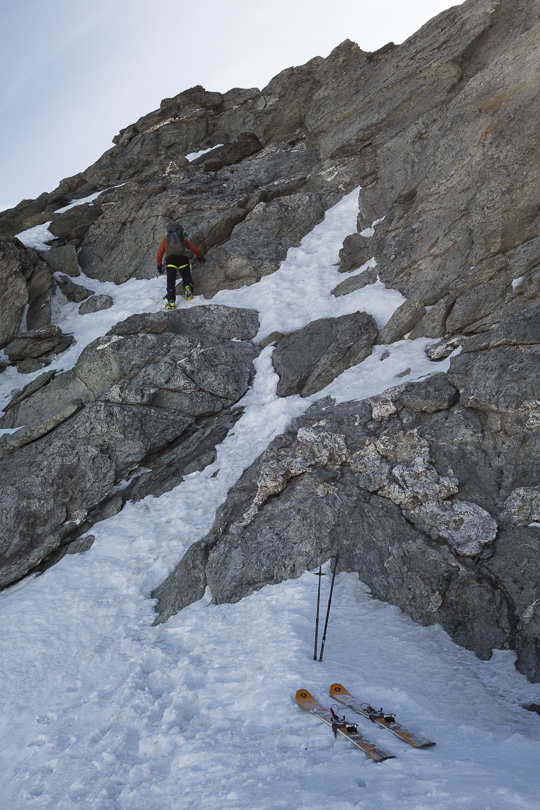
point(102, 710)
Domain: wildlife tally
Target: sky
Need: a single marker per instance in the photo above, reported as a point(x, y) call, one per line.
point(74, 73)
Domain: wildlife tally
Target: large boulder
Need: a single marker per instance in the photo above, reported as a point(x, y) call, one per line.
point(62, 259)
point(308, 360)
point(355, 252)
point(26, 282)
point(48, 487)
point(129, 397)
point(356, 282)
point(74, 223)
point(503, 380)
point(260, 243)
point(96, 303)
point(14, 292)
point(32, 349)
point(360, 480)
point(73, 292)
point(402, 321)
point(33, 344)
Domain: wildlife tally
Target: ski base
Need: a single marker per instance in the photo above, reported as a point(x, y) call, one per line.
point(348, 730)
point(338, 692)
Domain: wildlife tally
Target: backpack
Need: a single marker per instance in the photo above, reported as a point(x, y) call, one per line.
point(176, 245)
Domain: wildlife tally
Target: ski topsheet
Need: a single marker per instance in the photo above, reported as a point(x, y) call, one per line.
point(338, 692)
point(348, 730)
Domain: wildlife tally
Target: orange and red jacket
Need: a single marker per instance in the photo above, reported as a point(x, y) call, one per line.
point(163, 249)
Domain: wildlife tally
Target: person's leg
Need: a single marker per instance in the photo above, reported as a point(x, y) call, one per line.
point(175, 264)
point(171, 280)
point(185, 272)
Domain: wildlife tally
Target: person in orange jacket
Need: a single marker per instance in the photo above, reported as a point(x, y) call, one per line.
point(171, 258)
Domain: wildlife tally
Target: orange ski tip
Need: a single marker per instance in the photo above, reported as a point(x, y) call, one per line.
point(303, 694)
point(338, 689)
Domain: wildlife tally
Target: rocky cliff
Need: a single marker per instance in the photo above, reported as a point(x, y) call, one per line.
point(431, 491)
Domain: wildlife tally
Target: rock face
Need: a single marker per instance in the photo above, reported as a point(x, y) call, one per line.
point(396, 486)
point(27, 291)
point(130, 397)
point(484, 233)
point(430, 491)
point(14, 292)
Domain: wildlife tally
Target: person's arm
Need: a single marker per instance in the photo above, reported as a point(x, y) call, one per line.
point(161, 251)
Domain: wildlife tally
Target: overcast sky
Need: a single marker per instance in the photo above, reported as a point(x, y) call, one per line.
point(75, 72)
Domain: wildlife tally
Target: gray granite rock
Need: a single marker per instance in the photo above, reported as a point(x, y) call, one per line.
point(500, 380)
point(73, 292)
point(74, 223)
point(356, 282)
point(355, 252)
point(129, 398)
point(11, 442)
point(96, 303)
point(335, 482)
point(431, 395)
point(433, 323)
point(62, 260)
point(14, 291)
point(259, 244)
point(308, 360)
point(402, 321)
point(34, 343)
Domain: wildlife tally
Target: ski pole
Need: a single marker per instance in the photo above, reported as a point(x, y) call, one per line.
point(320, 575)
point(328, 608)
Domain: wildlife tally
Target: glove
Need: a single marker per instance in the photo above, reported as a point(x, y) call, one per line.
point(160, 271)
point(202, 260)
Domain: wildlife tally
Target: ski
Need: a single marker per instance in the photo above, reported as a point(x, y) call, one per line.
point(338, 692)
point(339, 724)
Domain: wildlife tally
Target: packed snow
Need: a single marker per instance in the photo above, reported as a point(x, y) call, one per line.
point(194, 155)
point(103, 710)
point(39, 236)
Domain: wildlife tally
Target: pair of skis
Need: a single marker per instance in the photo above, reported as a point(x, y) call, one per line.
point(341, 726)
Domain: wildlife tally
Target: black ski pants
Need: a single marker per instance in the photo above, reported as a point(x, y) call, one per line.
point(173, 264)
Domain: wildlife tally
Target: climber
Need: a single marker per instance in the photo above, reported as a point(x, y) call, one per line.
point(172, 257)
